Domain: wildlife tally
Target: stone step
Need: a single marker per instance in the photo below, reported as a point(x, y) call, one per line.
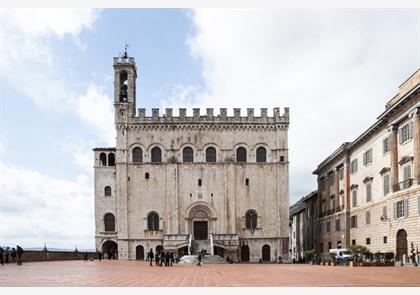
point(209, 259)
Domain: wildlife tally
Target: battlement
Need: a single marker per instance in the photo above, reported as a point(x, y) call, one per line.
point(124, 61)
point(210, 117)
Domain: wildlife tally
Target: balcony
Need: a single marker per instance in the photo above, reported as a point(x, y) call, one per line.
point(403, 185)
point(331, 211)
point(339, 208)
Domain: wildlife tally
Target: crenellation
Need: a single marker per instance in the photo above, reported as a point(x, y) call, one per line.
point(223, 113)
point(182, 113)
point(168, 114)
point(264, 113)
point(250, 113)
point(196, 114)
point(155, 114)
point(237, 113)
point(210, 113)
point(142, 113)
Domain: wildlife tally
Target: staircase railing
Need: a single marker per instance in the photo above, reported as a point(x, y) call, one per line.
point(211, 244)
point(189, 244)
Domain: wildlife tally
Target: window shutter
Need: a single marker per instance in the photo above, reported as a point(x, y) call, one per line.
point(410, 130)
point(395, 210)
point(406, 208)
point(145, 223)
point(400, 135)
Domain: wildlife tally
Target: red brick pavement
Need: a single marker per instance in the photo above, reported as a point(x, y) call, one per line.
point(139, 274)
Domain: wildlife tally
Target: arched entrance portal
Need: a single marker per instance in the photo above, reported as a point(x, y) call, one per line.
point(159, 249)
point(401, 244)
point(200, 225)
point(139, 252)
point(245, 254)
point(110, 250)
point(266, 253)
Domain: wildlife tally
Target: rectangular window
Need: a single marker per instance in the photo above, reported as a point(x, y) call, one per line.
point(329, 245)
point(338, 244)
point(386, 184)
point(368, 217)
point(332, 203)
point(353, 242)
point(341, 173)
point(406, 132)
point(400, 209)
point(386, 145)
point(353, 221)
point(367, 157)
point(367, 241)
point(328, 226)
point(368, 192)
point(353, 166)
point(337, 225)
point(354, 197)
point(384, 212)
point(385, 239)
point(407, 173)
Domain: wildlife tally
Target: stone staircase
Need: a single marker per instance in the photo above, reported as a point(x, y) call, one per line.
point(207, 259)
point(198, 245)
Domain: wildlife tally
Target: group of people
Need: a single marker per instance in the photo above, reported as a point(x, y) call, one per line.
point(162, 258)
point(14, 254)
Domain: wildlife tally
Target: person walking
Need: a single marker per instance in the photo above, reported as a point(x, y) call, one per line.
point(172, 258)
point(162, 258)
point(151, 255)
point(1, 255)
point(99, 255)
point(6, 254)
point(157, 258)
point(19, 253)
point(85, 256)
point(199, 260)
point(167, 257)
point(13, 255)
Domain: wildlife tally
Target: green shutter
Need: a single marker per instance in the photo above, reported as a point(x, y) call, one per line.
point(406, 208)
point(395, 210)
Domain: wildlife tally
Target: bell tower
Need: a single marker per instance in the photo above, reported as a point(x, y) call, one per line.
point(125, 74)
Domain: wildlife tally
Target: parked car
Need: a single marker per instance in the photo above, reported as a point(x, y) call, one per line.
point(342, 255)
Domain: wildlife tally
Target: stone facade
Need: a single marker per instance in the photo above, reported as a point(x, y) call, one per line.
point(369, 192)
point(180, 181)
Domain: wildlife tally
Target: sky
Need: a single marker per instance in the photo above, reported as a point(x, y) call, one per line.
point(334, 69)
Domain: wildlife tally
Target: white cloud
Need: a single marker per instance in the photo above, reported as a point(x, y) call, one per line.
point(35, 209)
point(96, 109)
point(334, 69)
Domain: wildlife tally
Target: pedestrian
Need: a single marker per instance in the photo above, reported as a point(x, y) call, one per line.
point(157, 258)
point(6, 254)
point(162, 258)
point(99, 255)
point(172, 258)
point(19, 253)
point(1, 255)
point(167, 257)
point(199, 259)
point(151, 255)
point(85, 257)
point(13, 255)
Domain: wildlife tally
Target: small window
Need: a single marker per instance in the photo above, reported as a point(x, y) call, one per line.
point(368, 192)
point(385, 239)
point(353, 221)
point(102, 159)
point(241, 154)
point(337, 225)
point(339, 245)
point(281, 158)
point(108, 191)
point(328, 227)
point(353, 242)
point(188, 155)
point(400, 209)
point(261, 155)
point(153, 221)
point(329, 246)
point(368, 217)
point(247, 181)
point(109, 221)
point(407, 174)
point(156, 155)
point(386, 184)
point(137, 155)
point(211, 155)
point(354, 197)
point(406, 132)
point(251, 219)
point(386, 145)
point(384, 212)
point(353, 166)
point(111, 159)
point(146, 175)
point(341, 173)
point(367, 241)
point(199, 182)
point(367, 157)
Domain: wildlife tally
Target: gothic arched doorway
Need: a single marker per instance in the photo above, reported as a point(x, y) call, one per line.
point(401, 244)
point(139, 252)
point(266, 253)
point(245, 254)
point(159, 249)
point(110, 250)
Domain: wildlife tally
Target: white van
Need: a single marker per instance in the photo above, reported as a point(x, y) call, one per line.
point(342, 255)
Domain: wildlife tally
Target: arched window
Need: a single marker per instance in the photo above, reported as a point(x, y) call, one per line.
point(251, 219)
point(109, 220)
point(261, 155)
point(210, 155)
point(137, 155)
point(123, 86)
point(240, 154)
point(111, 159)
point(188, 155)
point(108, 191)
point(156, 155)
point(153, 221)
point(102, 159)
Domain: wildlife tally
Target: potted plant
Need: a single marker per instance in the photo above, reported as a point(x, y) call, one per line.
point(332, 259)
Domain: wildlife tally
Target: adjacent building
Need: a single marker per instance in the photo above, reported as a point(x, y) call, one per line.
point(184, 183)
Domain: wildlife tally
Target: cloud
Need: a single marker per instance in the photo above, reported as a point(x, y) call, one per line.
point(96, 109)
point(334, 69)
point(37, 209)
